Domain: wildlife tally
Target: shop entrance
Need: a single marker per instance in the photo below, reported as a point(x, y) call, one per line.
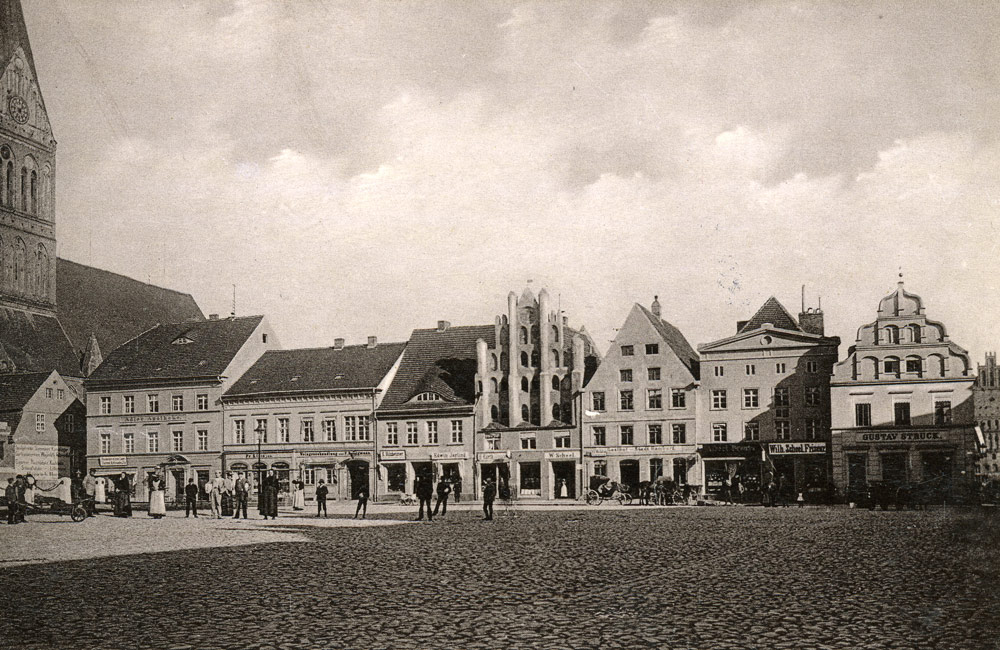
point(936, 474)
point(565, 480)
point(629, 473)
point(425, 469)
point(894, 468)
point(357, 476)
point(179, 484)
point(531, 479)
point(857, 474)
point(499, 473)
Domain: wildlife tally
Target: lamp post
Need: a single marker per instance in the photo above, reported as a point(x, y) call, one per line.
point(260, 431)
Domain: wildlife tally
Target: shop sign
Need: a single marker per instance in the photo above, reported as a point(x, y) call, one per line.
point(489, 456)
point(139, 419)
point(729, 449)
point(630, 449)
point(393, 454)
point(560, 454)
point(449, 455)
point(255, 456)
point(113, 461)
point(901, 436)
point(598, 453)
point(781, 448)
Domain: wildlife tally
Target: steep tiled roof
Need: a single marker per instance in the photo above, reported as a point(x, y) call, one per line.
point(34, 343)
point(676, 341)
point(442, 362)
point(16, 390)
point(772, 312)
point(317, 369)
point(195, 349)
point(113, 307)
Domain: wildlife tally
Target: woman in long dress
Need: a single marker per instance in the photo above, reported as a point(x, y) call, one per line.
point(100, 494)
point(157, 508)
point(299, 502)
point(123, 496)
point(268, 505)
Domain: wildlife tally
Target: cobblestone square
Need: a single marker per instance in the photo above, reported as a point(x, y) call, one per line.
point(561, 578)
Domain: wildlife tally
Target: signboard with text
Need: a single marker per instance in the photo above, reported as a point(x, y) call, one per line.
point(113, 461)
point(41, 461)
point(392, 454)
point(449, 455)
point(555, 455)
point(490, 456)
point(782, 448)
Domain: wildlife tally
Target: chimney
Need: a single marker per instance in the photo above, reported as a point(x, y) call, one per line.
point(656, 306)
point(811, 321)
point(213, 317)
point(443, 325)
point(372, 342)
point(338, 344)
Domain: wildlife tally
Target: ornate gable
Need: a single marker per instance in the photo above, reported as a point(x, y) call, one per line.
point(23, 110)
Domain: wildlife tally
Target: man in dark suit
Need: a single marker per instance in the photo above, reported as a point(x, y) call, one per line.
point(191, 498)
point(321, 492)
point(241, 490)
point(443, 490)
point(489, 494)
point(425, 490)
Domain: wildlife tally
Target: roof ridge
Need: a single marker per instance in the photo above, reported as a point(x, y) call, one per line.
point(330, 347)
point(128, 277)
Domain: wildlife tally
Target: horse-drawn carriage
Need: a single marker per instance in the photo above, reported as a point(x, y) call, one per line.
point(917, 495)
point(662, 491)
point(602, 487)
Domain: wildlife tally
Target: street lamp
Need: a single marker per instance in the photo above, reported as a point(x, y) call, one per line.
point(260, 431)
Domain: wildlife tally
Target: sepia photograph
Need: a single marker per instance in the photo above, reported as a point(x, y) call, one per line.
point(555, 324)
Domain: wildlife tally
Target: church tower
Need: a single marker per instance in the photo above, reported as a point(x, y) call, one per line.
point(27, 175)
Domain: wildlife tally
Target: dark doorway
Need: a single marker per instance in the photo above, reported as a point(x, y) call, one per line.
point(499, 473)
point(179, 484)
point(629, 470)
point(857, 474)
point(357, 475)
point(565, 480)
point(894, 468)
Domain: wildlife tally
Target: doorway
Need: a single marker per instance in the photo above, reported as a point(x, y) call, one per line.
point(499, 473)
point(564, 475)
point(357, 476)
point(629, 472)
point(178, 477)
point(894, 468)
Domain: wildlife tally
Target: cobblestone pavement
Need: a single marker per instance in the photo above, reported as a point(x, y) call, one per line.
point(712, 578)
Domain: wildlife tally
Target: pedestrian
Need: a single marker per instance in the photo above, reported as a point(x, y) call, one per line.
point(456, 487)
point(241, 491)
point(269, 496)
point(443, 490)
point(90, 490)
point(425, 490)
point(363, 501)
point(191, 498)
point(489, 494)
point(783, 490)
point(157, 507)
point(727, 488)
point(75, 486)
point(563, 492)
point(321, 492)
point(123, 496)
point(299, 496)
point(10, 493)
point(215, 495)
point(228, 494)
point(801, 500)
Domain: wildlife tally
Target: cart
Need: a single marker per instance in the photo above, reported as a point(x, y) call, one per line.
point(77, 510)
point(602, 487)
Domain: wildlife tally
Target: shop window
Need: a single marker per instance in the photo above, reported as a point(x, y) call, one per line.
point(531, 477)
point(395, 474)
point(655, 468)
point(680, 471)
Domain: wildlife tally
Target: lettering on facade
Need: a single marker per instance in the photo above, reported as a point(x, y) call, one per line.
point(493, 455)
point(627, 449)
point(449, 455)
point(560, 454)
point(901, 436)
point(781, 448)
point(41, 461)
point(113, 461)
point(138, 419)
point(392, 454)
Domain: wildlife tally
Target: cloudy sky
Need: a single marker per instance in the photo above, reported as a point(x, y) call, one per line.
point(368, 168)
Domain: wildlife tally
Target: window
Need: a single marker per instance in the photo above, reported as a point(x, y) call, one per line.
point(364, 427)
point(60, 393)
point(783, 412)
point(70, 422)
point(309, 475)
point(655, 398)
point(942, 412)
point(718, 399)
point(153, 403)
point(562, 442)
point(428, 397)
point(39, 423)
point(177, 441)
point(862, 415)
point(392, 434)
point(652, 348)
point(493, 444)
point(601, 467)
point(177, 403)
point(432, 432)
point(627, 436)
point(677, 398)
point(411, 433)
point(528, 442)
point(812, 367)
point(152, 442)
point(784, 429)
point(625, 374)
point(779, 368)
point(202, 439)
point(901, 410)
point(524, 384)
point(812, 396)
point(105, 443)
point(128, 443)
point(678, 433)
point(284, 429)
point(891, 366)
point(913, 365)
point(626, 400)
point(751, 398)
point(719, 371)
point(655, 468)
point(456, 431)
point(655, 432)
point(598, 401)
point(105, 406)
point(751, 369)
point(128, 404)
point(330, 429)
point(751, 430)
point(782, 397)
point(627, 351)
point(719, 432)
point(308, 431)
point(239, 432)
point(555, 382)
point(653, 374)
point(48, 393)
point(202, 402)
point(260, 429)
point(600, 437)
point(812, 429)
point(524, 359)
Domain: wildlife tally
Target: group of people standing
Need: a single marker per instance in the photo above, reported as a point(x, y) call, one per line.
point(425, 490)
point(229, 495)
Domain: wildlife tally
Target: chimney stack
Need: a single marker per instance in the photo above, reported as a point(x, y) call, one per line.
point(338, 344)
point(443, 325)
point(656, 306)
point(213, 317)
point(372, 342)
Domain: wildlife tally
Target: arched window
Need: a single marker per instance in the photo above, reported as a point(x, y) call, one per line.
point(915, 333)
point(536, 417)
point(24, 189)
point(534, 383)
point(524, 359)
point(494, 361)
point(493, 386)
point(534, 333)
point(534, 358)
point(524, 412)
point(10, 184)
point(891, 334)
point(34, 192)
point(503, 361)
point(524, 334)
point(19, 281)
point(555, 411)
point(494, 413)
point(555, 333)
point(503, 384)
point(524, 384)
point(42, 269)
point(479, 387)
point(555, 382)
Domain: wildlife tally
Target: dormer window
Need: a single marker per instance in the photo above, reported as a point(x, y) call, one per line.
point(183, 340)
point(428, 397)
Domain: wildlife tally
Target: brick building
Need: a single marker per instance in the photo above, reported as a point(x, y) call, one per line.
point(986, 398)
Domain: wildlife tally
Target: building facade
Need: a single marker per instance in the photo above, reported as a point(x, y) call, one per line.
point(986, 398)
point(640, 406)
point(309, 415)
point(902, 403)
point(154, 404)
point(764, 404)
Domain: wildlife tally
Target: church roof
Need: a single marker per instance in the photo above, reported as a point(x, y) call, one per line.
point(113, 307)
point(772, 312)
point(14, 34)
point(441, 362)
point(179, 350)
point(677, 342)
point(317, 370)
point(17, 389)
point(35, 343)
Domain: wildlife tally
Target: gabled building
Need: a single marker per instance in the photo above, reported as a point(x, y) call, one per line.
point(308, 414)
point(640, 405)
point(986, 398)
point(764, 403)
point(902, 403)
point(154, 404)
point(42, 426)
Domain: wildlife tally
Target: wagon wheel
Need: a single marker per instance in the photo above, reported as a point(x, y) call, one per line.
point(620, 498)
point(593, 498)
point(78, 513)
point(627, 499)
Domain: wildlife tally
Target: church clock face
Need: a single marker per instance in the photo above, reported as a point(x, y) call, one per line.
point(18, 109)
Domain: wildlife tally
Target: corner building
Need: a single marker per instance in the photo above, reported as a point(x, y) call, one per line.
point(902, 403)
point(764, 406)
